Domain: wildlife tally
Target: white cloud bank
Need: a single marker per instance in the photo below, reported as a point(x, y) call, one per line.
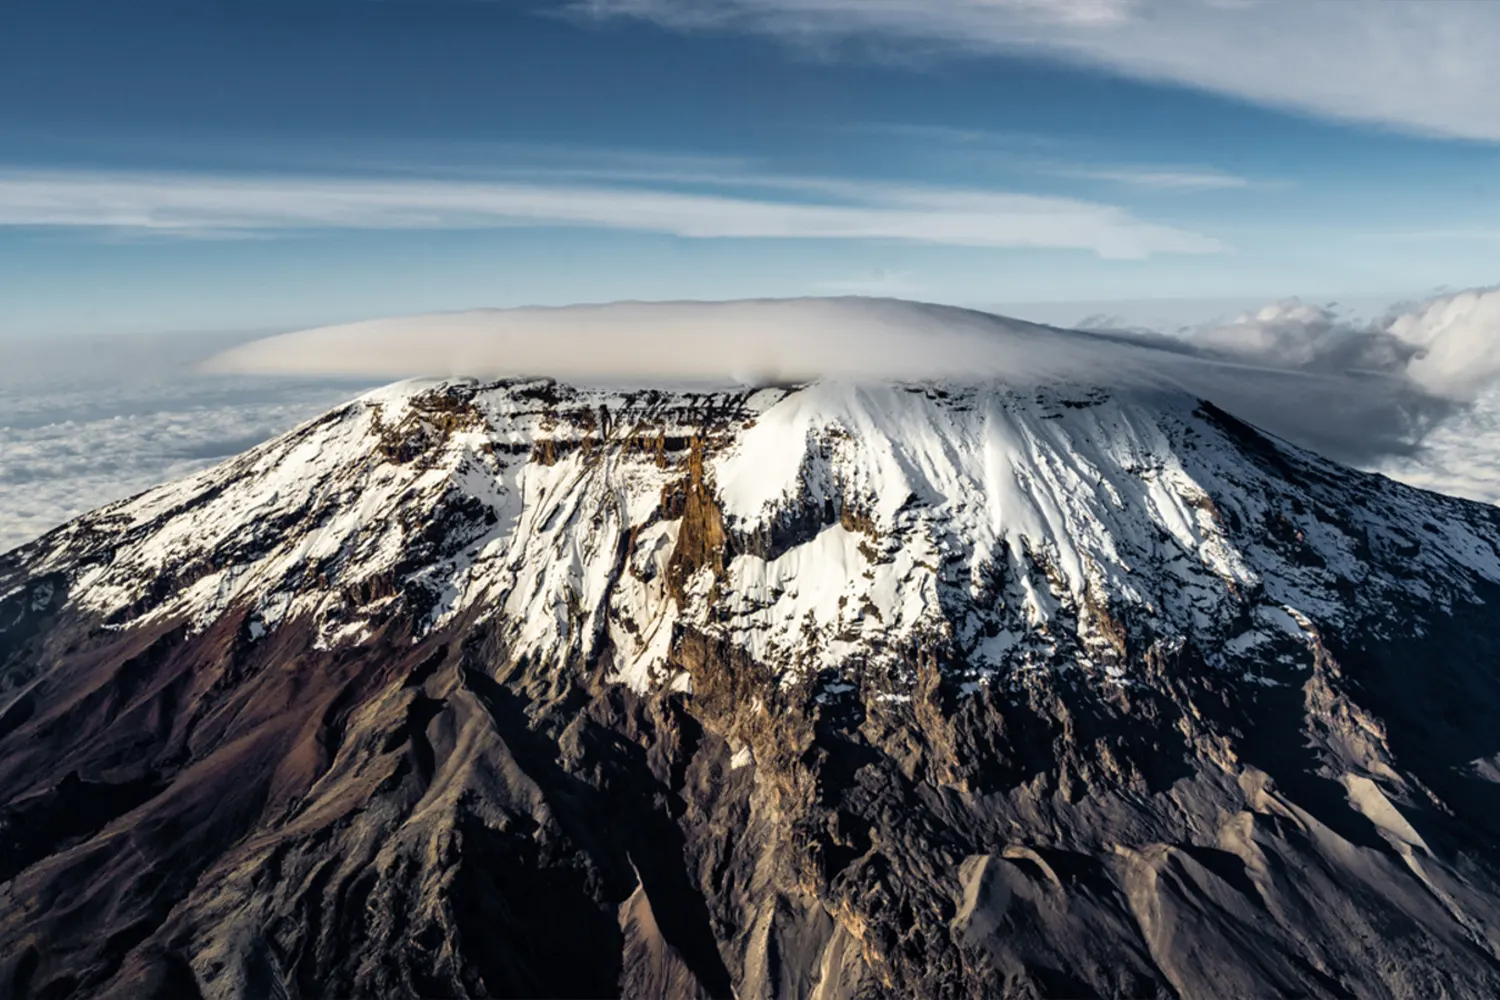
point(194, 204)
point(1448, 346)
point(1358, 393)
point(1419, 65)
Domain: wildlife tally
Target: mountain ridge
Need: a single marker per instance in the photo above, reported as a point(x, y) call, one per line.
point(890, 688)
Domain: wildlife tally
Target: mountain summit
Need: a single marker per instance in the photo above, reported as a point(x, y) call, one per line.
point(824, 690)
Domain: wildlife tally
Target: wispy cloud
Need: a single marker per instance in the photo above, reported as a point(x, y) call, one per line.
point(1057, 156)
point(959, 136)
point(195, 204)
point(1165, 179)
point(1416, 65)
point(1438, 235)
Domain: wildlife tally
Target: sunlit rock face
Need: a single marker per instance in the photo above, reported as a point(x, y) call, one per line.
point(836, 689)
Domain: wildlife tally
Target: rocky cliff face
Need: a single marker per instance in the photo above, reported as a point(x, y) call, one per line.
point(829, 691)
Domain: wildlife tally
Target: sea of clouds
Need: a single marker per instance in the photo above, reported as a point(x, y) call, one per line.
point(1414, 393)
point(85, 421)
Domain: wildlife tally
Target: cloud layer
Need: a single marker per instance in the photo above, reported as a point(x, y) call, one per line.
point(193, 204)
point(1357, 393)
point(84, 422)
point(1448, 346)
point(1416, 65)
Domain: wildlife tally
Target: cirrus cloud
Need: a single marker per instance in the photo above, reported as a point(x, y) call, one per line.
point(1416, 65)
point(738, 207)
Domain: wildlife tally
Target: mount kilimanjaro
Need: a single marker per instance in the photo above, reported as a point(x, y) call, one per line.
point(828, 690)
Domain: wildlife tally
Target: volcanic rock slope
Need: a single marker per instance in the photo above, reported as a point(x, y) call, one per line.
point(821, 691)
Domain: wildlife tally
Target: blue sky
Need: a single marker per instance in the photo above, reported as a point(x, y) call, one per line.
point(270, 165)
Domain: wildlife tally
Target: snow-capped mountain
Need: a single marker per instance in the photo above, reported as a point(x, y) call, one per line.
point(829, 525)
point(833, 689)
